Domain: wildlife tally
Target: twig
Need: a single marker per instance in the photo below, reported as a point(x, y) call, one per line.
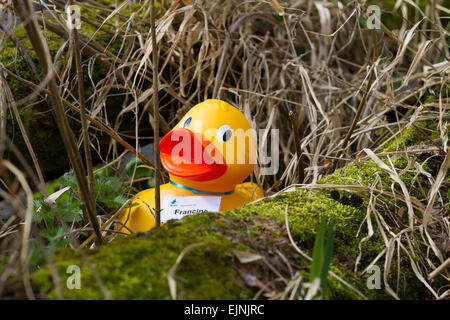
point(28, 220)
point(435, 187)
point(155, 116)
point(300, 166)
point(82, 102)
point(439, 269)
point(104, 226)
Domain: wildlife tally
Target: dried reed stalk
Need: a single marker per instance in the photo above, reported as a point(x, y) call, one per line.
point(82, 102)
point(298, 148)
point(155, 116)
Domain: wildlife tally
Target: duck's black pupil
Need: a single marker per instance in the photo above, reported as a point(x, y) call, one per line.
point(187, 122)
point(226, 135)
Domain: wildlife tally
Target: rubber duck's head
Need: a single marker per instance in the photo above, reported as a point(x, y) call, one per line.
point(211, 149)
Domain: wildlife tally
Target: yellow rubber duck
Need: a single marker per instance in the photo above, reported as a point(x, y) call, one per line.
point(207, 155)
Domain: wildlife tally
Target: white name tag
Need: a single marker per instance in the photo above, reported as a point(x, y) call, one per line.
point(178, 207)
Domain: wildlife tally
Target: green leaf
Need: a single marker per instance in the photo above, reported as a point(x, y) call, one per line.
point(70, 206)
point(327, 258)
point(114, 203)
point(316, 266)
point(363, 21)
point(53, 186)
point(69, 180)
point(396, 84)
point(52, 234)
point(44, 214)
point(3, 263)
point(37, 257)
point(106, 172)
point(70, 210)
point(107, 185)
point(299, 50)
point(74, 216)
point(54, 237)
point(142, 171)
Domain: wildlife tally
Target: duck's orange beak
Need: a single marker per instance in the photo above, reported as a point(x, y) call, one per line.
point(190, 155)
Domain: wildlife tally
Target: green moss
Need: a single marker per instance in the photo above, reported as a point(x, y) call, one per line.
point(420, 131)
point(201, 270)
point(137, 267)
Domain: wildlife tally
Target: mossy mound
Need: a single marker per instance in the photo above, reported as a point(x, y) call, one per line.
point(137, 267)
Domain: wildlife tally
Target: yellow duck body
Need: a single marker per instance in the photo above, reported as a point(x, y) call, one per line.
point(223, 138)
point(140, 218)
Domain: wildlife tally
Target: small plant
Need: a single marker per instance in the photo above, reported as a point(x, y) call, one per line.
point(110, 195)
point(137, 170)
point(322, 255)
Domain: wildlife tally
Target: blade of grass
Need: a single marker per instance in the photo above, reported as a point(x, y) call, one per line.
point(327, 258)
point(81, 99)
point(318, 252)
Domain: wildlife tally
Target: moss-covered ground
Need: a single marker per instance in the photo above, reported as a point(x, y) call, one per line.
point(137, 267)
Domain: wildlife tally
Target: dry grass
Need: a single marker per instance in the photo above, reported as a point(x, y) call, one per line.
point(268, 58)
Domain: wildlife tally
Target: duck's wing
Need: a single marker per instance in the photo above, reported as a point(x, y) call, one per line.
point(140, 217)
point(251, 189)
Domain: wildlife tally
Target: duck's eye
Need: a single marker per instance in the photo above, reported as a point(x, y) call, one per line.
point(186, 122)
point(224, 133)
